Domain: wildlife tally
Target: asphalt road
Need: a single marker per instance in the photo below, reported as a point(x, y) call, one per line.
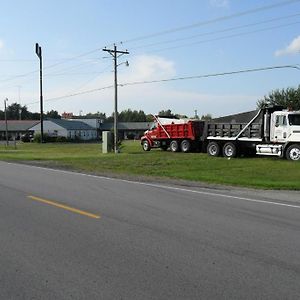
point(71, 236)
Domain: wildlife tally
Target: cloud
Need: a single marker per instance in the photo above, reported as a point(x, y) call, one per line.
point(219, 3)
point(141, 68)
point(151, 98)
point(149, 67)
point(292, 48)
point(1, 44)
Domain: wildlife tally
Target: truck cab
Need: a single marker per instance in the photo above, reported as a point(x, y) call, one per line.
point(285, 127)
point(284, 135)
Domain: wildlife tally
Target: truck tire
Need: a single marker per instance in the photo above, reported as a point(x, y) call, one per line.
point(185, 146)
point(293, 152)
point(213, 149)
point(146, 146)
point(229, 150)
point(174, 146)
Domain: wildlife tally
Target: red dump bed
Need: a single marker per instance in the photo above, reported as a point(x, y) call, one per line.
point(190, 130)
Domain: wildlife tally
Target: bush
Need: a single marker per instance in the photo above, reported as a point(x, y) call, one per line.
point(47, 138)
point(37, 138)
point(61, 139)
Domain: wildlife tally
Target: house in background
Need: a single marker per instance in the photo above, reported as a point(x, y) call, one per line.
point(127, 130)
point(16, 128)
point(69, 129)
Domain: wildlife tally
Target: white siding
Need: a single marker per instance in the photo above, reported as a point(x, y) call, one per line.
point(50, 128)
point(91, 122)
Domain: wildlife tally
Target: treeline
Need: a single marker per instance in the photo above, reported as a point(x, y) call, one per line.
point(288, 98)
point(16, 111)
point(127, 115)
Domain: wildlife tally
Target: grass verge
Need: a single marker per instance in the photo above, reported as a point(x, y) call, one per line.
point(265, 173)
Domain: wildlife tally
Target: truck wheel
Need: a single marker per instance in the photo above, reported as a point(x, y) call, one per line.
point(146, 146)
point(229, 150)
point(213, 149)
point(185, 146)
point(174, 147)
point(293, 152)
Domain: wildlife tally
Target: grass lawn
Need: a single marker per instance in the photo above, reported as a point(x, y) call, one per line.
point(261, 172)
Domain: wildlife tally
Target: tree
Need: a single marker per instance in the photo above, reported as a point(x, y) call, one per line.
point(288, 98)
point(15, 111)
point(179, 116)
point(53, 114)
point(149, 118)
point(206, 117)
point(98, 115)
point(129, 116)
point(166, 113)
point(34, 116)
point(132, 116)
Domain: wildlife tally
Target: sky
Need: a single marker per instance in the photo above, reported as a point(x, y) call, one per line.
point(166, 39)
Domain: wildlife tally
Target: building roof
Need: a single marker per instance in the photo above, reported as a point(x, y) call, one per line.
point(17, 125)
point(127, 126)
point(69, 125)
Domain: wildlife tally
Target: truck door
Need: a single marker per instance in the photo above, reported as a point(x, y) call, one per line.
point(280, 128)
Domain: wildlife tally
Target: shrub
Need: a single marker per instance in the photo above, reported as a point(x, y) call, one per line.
point(61, 139)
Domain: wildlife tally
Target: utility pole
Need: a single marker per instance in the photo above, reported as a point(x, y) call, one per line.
point(116, 54)
point(5, 116)
point(38, 51)
point(20, 109)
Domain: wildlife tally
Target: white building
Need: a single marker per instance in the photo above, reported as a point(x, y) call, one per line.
point(66, 128)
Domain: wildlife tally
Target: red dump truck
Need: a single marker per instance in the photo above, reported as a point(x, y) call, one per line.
point(176, 134)
point(271, 131)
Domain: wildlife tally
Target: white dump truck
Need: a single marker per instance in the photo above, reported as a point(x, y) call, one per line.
point(272, 131)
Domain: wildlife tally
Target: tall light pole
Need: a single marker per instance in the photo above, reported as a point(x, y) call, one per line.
point(38, 51)
point(116, 54)
point(5, 116)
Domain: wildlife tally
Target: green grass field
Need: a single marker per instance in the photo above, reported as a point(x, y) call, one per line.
point(261, 172)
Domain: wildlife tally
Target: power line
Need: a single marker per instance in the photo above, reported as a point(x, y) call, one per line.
point(49, 66)
point(225, 37)
point(91, 79)
point(72, 95)
point(295, 66)
point(76, 67)
point(15, 77)
point(224, 18)
point(211, 75)
point(73, 58)
point(217, 31)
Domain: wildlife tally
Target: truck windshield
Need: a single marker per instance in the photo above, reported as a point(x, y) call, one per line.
point(294, 119)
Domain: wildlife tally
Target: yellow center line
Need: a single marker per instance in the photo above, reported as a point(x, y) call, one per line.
point(56, 204)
